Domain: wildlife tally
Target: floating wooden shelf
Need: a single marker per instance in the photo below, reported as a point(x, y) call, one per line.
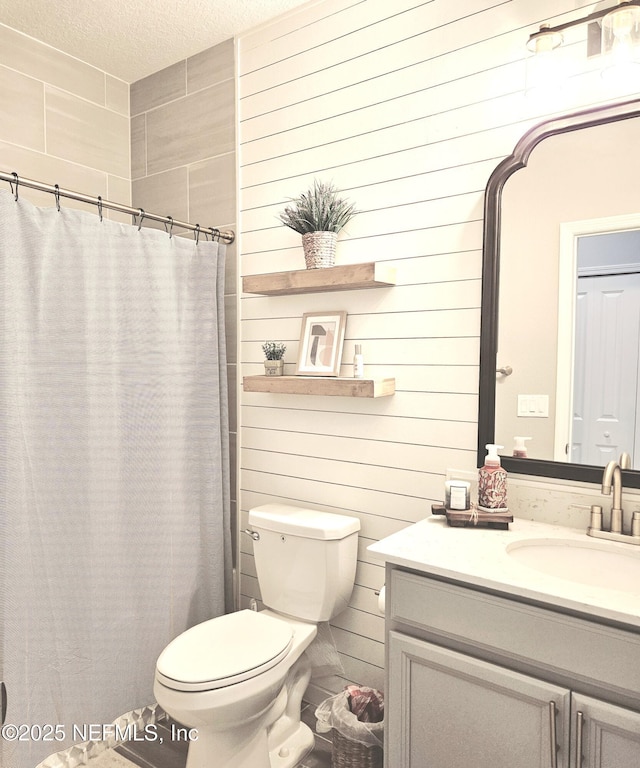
point(320, 385)
point(346, 277)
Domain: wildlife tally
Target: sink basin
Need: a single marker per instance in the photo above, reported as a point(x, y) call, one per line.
point(591, 563)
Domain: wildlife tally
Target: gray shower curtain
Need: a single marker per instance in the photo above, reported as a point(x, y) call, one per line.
point(114, 467)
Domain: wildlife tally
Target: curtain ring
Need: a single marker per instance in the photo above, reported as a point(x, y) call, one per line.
point(57, 196)
point(141, 210)
point(170, 230)
point(197, 233)
point(15, 178)
point(100, 207)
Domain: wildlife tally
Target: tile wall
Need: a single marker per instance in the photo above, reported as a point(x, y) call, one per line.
point(62, 122)
point(183, 164)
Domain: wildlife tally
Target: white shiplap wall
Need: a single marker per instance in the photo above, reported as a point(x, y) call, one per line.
point(407, 107)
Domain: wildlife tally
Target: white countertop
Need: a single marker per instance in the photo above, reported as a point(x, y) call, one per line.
point(479, 557)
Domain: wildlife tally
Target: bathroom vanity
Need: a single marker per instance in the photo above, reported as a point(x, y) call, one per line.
point(510, 649)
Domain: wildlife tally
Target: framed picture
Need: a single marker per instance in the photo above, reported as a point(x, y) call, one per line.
point(321, 340)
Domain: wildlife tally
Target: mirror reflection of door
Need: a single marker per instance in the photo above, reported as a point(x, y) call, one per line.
point(606, 351)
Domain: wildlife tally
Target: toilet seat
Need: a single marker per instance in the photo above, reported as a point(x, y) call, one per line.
point(224, 651)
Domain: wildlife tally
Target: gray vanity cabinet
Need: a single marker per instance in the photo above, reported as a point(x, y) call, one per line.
point(477, 680)
point(610, 736)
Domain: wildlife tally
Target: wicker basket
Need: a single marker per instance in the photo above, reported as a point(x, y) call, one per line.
point(319, 249)
point(346, 753)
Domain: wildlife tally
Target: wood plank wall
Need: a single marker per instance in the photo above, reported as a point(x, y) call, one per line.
point(407, 107)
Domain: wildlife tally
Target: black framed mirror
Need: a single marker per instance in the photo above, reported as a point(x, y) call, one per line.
point(567, 125)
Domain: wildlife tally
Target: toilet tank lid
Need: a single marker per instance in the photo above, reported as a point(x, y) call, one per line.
point(299, 521)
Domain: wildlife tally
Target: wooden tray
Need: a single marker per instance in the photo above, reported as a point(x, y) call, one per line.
point(462, 518)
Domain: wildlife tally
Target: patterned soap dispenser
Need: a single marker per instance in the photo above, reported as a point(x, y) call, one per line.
point(492, 482)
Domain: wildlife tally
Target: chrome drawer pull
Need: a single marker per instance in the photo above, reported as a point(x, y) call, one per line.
point(553, 739)
point(579, 728)
point(3, 703)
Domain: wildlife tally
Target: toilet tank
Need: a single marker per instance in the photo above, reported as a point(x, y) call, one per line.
point(305, 559)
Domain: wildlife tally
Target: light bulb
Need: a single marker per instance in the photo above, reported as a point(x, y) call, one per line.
point(621, 42)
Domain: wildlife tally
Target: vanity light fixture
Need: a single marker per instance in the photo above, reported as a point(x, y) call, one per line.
point(619, 43)
point(545, 64)
point(545, 40)
point(621, 40)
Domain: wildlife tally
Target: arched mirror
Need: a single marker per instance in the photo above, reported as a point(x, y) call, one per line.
point(560, 334)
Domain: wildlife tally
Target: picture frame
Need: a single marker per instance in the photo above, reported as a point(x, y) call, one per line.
point(321, 342)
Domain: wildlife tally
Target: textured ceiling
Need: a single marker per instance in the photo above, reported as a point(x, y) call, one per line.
point(131, 40)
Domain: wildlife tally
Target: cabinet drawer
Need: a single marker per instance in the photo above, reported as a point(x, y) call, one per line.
point(526, 636)
point(448, 710)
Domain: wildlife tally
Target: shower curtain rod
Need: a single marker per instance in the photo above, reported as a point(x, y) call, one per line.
point(227, 236)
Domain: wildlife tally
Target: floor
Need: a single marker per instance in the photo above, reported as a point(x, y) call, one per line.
point(172, 754)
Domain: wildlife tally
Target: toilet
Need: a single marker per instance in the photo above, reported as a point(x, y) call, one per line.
point(235, 683)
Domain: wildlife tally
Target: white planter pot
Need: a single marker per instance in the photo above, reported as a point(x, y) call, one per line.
point(319, 249)
point(273, 367)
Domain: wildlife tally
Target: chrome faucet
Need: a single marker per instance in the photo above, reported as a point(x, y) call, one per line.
point(612, 481)
point(613, 476)
point(625, 460)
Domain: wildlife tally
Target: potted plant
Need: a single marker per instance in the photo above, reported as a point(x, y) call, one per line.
point(318, 215)
point(273, 352)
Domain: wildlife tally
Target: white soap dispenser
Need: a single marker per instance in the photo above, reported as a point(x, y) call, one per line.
point(492, 482)
point(519, 447)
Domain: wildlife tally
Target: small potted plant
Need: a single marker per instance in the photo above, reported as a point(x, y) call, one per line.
point(273, 352)
point(318, 215)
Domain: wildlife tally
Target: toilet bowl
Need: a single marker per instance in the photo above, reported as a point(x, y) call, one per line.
point(236, 682)
point(229, 705)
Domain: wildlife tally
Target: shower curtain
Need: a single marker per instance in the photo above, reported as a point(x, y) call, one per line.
point(114, 466)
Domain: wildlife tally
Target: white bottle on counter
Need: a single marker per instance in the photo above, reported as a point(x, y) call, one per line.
point(358, 363)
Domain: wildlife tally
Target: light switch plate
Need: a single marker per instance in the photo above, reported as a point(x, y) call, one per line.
point(533, 406)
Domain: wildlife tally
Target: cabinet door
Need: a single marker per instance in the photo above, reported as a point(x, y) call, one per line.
point(448, 710)
point(605, 736)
